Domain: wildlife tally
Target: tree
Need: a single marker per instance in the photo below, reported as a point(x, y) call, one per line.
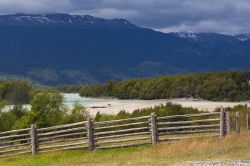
point(79, 113)
point(18, 111)
point(7, 119)
point(18, 92)
point(2, 104)
point(2, 90)
point(47, 109)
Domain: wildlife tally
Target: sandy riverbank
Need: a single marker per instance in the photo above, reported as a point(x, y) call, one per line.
point(114, 106)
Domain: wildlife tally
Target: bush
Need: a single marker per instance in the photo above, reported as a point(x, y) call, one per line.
point(163, 110)
point(47, 109)
point(79, 113)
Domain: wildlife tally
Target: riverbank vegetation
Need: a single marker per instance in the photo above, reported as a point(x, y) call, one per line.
point(47, 109)
point(163, 110)
point(218, 86)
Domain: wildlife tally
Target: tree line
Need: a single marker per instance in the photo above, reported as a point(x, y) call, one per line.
point(217, 86)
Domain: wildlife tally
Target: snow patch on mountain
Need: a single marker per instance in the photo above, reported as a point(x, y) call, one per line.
point(62, 19)
point(187, 35)
point(41, 19)
point(242, 37)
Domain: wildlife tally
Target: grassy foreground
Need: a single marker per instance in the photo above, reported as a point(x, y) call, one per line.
point(230, 148)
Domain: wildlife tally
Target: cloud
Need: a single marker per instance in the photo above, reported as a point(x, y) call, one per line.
point(223, 27)
point(34, 6)
point(109, 13)
point(224, 16)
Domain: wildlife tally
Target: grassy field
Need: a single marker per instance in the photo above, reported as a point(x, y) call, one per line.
point(230, 148)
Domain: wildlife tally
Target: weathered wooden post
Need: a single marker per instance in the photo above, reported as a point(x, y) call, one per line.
point(228, 123)
point(34, 141)
point(237, 123)
point(222, 123)
point(247, 121)
point(153, 128)
point(91, 140)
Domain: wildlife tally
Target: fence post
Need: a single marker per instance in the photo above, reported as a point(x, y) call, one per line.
point(247, 121)
point(153, 128)
point(91, 140)
point(228, 123)
point(34, 142)
point(237, 123)
point(222, 123)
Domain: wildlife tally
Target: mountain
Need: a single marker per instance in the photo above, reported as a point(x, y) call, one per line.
point(55, 49)
point(62, 20)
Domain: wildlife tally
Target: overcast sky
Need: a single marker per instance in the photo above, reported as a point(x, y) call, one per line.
point(222, 16)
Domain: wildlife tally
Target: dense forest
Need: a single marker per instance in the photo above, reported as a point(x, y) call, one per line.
point(15, 92)
point(226, 86)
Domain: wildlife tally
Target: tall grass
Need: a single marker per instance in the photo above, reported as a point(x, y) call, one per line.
point(230, 148)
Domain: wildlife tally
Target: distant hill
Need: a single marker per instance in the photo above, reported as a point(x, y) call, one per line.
point(58, 49)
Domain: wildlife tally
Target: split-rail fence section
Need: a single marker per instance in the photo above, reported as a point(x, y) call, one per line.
point(91, 135)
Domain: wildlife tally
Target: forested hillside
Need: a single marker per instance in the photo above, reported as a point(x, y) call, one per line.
point(226, 86)
point(58, 49)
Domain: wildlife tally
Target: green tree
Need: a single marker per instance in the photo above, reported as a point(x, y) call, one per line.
point(7, 119)
point(3, 103)
point(3, 89)
point(79, 113)
point(18, 110)
point(47, 109)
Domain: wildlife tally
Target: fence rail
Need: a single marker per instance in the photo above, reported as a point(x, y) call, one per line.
point(91, 135)
point(63, 137)
point(15, 142)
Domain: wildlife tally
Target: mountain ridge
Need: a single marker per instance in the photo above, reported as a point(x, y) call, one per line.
point(57, 19)
point(85, 52)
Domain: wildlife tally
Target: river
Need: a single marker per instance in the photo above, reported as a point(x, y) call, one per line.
point(113, 106)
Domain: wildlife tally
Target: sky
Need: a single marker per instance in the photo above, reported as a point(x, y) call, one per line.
point(221, 16)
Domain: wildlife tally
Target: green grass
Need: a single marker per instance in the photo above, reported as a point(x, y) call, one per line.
point(230, 148)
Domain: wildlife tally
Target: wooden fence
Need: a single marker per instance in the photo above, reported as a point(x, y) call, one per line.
point(91, 135)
